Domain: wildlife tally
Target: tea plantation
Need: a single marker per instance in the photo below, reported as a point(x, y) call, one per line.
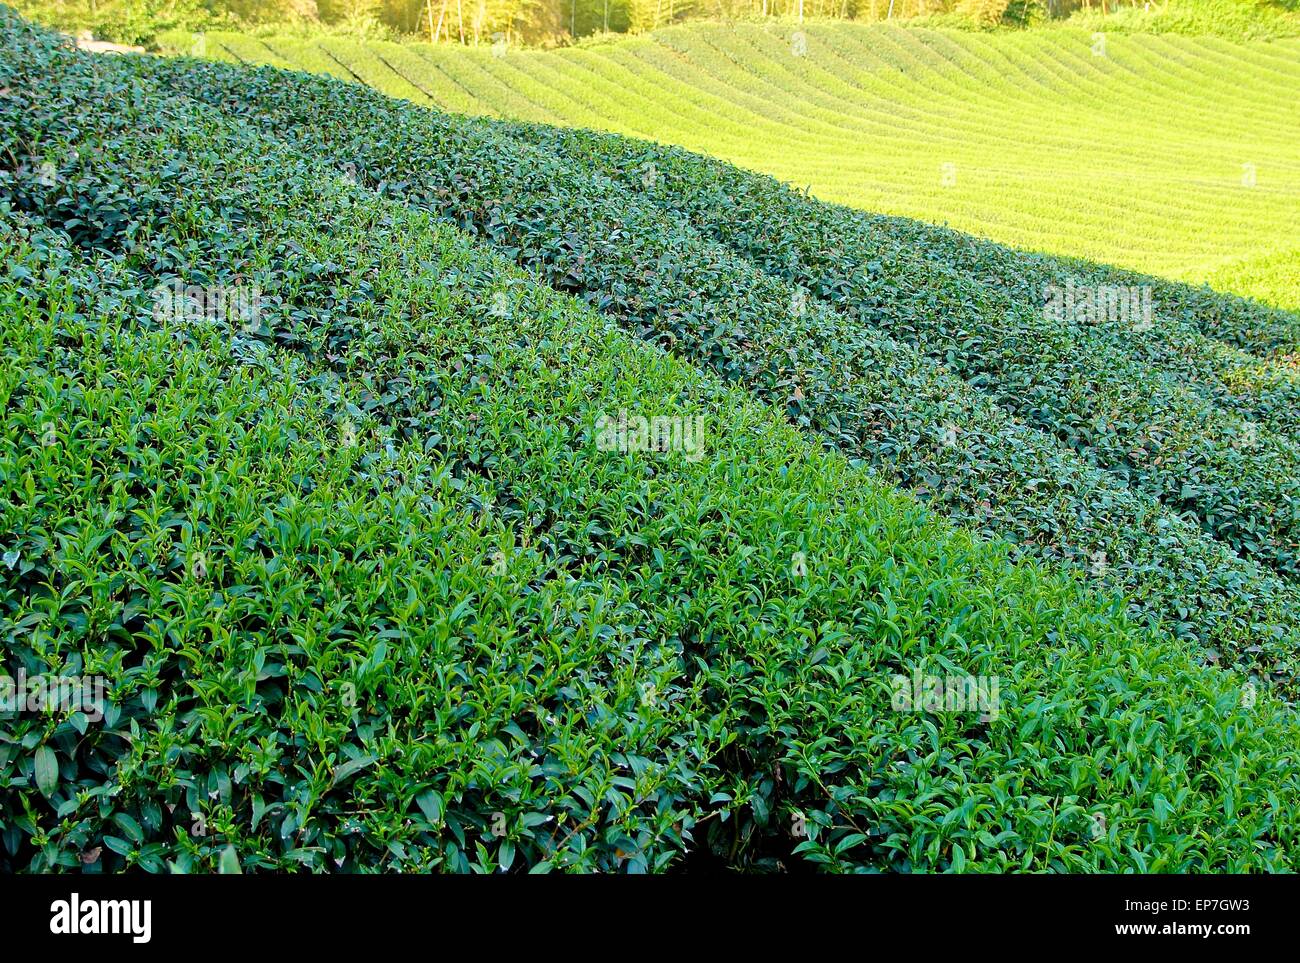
point(1166, 153)
point(372, 591)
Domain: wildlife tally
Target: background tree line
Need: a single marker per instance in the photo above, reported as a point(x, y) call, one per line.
point(533, 21)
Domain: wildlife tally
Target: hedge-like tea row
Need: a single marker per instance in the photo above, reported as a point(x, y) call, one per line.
point(1102, 382)
point(875, 398)
point(833, 250)
point(369, 593)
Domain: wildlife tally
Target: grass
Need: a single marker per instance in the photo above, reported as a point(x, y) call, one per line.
point(1168, 154)
point(371, 594)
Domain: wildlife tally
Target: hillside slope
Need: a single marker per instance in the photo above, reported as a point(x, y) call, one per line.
point(371, 594)
point(1172, 155)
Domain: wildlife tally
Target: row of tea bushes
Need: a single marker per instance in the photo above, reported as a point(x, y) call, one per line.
point(873, 397)
point(1131, 391)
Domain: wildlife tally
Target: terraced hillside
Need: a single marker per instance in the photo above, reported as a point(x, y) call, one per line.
point(1169, 154)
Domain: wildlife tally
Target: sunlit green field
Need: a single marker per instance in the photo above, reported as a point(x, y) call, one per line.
point(1173, 155)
